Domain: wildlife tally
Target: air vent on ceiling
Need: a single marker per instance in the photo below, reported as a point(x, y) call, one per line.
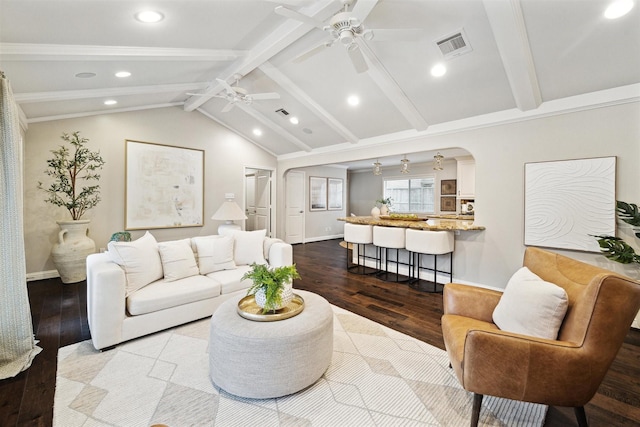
point(283, 112)
point(454, 44)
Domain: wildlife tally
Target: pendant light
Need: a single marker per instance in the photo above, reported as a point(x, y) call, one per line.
point(377, 168)
point(437, 162)
point(404, 168)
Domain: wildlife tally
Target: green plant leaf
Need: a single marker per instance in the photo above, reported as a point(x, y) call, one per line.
point(628, 212)
point(615, 249)
point(271, 281)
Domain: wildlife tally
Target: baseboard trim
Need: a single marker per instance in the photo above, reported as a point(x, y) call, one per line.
point(42, 275)
point(321, 238)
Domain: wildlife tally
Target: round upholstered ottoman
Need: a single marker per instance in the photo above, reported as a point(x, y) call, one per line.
point(261, 360)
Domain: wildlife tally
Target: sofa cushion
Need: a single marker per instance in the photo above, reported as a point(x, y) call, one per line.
point(531, 306)
point(164, 294)
point(177, 258)
point(230, 279)
point(215, 253)
point(139, 259)
point(248, 246)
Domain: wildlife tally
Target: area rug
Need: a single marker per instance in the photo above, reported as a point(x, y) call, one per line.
point(377, 377)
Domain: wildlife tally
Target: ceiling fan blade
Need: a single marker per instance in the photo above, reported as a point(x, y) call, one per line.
point(266, 95)
point(288, 13)
point(380, 35)
point(313, 51)
point(362, 9)
point(226, 86)
point(357, 58)
point(227, 107)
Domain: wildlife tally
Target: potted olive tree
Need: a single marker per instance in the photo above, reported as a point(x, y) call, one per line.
point(272, 287)
point(70, 168)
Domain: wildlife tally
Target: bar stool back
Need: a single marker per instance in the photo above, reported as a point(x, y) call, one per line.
point(359, 235)
point(389, 238)
point(426, 242)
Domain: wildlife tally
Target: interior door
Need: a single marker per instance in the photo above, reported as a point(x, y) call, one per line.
point(262, 214)
point(294, 205)
point(250, 201)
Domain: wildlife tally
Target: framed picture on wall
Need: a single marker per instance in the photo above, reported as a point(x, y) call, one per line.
point(448, 204)
point(448, 187)
point(335, 193)
point(164, 186)
point(318, 193)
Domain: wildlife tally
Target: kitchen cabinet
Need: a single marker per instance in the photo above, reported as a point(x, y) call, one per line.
point(466, 173)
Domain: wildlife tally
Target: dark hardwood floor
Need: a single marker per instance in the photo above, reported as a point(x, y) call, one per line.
point(59, 319)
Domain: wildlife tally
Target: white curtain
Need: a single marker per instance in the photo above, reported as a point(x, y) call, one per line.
point(17, 344)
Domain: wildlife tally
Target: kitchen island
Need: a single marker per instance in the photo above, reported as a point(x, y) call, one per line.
point(433, 224)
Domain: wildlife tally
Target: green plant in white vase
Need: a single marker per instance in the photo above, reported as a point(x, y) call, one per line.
point(272, 287)
point(385, 205)
point(68, 168)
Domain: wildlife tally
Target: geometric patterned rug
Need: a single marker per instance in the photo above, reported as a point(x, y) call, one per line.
point(377, 377)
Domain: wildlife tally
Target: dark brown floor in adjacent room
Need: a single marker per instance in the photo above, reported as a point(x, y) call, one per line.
point(59, 319)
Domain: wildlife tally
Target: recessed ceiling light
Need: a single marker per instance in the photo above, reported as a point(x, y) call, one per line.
point(294, 120)
point(438, 70)
point(353, 100)
point(85, 75)
point(618, 8)
point(257, 132)
point(110, 102)
point(149, 16)
point(123, 74)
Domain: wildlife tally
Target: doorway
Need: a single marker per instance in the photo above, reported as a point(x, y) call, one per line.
point(294, 206)
point(258, 199)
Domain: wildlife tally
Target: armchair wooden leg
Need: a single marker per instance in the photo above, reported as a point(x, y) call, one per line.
point(581, 416)
point(475, 413)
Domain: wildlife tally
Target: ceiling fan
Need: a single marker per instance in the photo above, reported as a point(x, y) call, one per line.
point(236, 94)
point(347, 28)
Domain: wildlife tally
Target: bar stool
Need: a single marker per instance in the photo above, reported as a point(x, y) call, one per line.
point(426, 242)
point(389, 238)
point(359, 235)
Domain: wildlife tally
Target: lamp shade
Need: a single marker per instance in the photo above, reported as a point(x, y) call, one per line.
point(229, 211)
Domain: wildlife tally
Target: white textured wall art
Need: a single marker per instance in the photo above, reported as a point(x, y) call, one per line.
point(566, 202)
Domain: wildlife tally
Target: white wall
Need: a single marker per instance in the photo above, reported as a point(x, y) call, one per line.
point(226, 155)
point(491, 256)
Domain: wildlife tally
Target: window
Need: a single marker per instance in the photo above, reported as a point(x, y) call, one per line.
point(415, 195)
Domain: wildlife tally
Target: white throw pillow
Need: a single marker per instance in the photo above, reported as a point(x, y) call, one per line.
point(248, 246)
point(531, 306)
point(178, 261)
point(139, 259)
point(215, 253)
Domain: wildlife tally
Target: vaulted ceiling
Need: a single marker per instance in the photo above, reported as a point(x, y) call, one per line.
point(524, 55)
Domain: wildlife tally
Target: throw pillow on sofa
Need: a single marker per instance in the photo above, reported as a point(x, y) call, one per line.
point(215, 253)
point(248, 246)
point(531, 306)
point(177, 258)
point(139, 259)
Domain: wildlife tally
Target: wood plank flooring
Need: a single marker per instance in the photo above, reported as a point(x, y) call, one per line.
point(59, 318)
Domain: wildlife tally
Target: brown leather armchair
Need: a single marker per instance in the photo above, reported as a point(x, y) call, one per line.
point(562, 372)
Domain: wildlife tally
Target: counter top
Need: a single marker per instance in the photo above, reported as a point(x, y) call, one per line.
point(434, 224)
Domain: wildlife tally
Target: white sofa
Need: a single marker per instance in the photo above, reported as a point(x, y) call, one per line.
point(140, 287)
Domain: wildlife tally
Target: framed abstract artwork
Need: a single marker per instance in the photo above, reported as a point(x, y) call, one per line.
point(318, 193)
point(164, 186)
point(567, 202)
point(335, 193)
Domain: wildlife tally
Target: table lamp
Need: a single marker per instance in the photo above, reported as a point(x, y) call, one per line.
point(229, 212)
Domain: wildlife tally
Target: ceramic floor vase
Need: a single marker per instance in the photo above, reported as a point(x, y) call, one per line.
point(69, 254)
